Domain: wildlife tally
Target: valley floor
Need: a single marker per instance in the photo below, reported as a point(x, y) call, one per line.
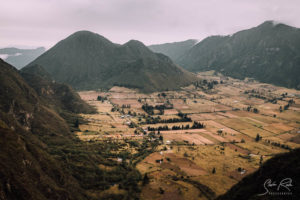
point(245, 124)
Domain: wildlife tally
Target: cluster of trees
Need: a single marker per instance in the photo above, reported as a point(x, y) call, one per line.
point(148, 109)
point(132, 125)
point(113, 109)
point(291, 101)
point(164, 106)
point(255, 110)
point(162, 95)
point(180, 114)
point(100, 98)
point(204, 84)
point(161, 108)
point(82, 165)
point(286, 107)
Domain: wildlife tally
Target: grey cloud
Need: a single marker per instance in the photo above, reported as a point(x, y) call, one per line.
point(45, 22)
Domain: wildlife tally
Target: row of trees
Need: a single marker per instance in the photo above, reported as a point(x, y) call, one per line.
point(156, 120)
point(126, 106)
point(196, 125)
point(277, 144)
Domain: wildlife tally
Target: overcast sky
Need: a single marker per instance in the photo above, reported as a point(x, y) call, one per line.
point(34, 23)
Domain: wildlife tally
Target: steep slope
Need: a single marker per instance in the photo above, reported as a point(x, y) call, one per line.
point(277, 169)
point(86, 60)
point(27, 170)
point(269, 53)
point(60, 97)
point(173, 50)
point(20, 57)
point(40, 156)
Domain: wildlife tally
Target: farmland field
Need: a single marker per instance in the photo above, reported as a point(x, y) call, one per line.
point(206, 140)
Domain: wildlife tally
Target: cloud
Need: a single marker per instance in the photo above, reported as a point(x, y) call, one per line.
point(45, 22)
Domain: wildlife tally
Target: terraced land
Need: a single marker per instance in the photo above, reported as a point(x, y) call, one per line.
point(206, 139)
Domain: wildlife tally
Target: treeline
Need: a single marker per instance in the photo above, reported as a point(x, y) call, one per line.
point(157, 120)
point(196, 125)
point(277, 144)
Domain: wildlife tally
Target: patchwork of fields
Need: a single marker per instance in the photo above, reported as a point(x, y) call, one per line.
point(244, 124)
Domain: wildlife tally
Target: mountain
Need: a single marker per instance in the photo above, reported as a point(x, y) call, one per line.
point(87, 61)
point(20, 57)
point(283, 166)
point(173, 50)
point(269, 53)
point(27, 169)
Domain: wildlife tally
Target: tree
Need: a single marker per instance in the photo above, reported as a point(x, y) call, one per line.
point(161, 191)
point(76, 123)
point(214, 170)
point(286, 107)
point(248, 108)
point(261, 160)
point(146, 179)
point(258, 137)
point(161, 138)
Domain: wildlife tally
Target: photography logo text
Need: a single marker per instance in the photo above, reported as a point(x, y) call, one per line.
point(282, 187)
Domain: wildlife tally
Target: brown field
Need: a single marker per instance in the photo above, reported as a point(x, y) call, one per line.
point(226, 143)
point(182, 135)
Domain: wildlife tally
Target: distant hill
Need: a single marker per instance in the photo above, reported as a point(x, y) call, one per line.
point(280, 167)
point(173, 50)
point(269, 53)
point(86, 61)
point(20, 57)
